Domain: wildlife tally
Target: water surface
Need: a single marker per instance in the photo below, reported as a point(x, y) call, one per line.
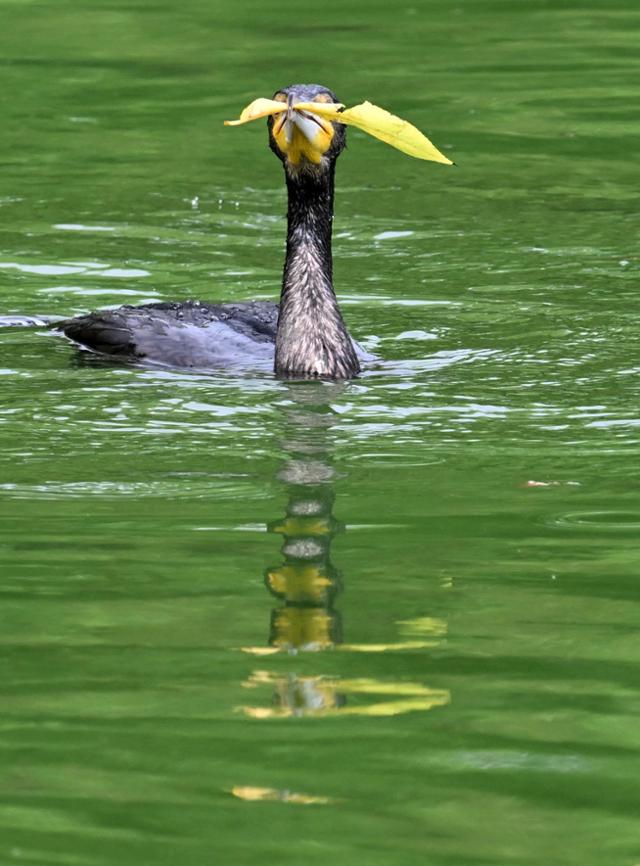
point(390, 621)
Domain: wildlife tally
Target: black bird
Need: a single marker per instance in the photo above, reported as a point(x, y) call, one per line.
point(305, 335)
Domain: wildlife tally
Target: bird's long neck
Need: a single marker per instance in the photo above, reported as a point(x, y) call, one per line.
point(312, 339)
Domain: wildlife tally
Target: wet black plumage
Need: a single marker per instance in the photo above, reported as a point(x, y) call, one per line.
point(182, 334)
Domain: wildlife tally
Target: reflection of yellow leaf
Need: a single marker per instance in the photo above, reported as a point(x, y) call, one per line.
point(346, 647)
point(386, 647)
point(293, 695)
point(381, 708)
point(264, 712)
point(369, 118)
point(377, 687)
point(397, 708)
point(324, 696)
point(253, 794)
point(260, 650)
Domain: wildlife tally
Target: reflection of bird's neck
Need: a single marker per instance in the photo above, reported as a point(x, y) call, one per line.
point(306, 582)
point(312, 339)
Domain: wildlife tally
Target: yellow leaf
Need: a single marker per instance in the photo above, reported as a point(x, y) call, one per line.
point(381, 124)
point(369, 118)
point(393, 130)
point(258, 108)
point(332, 110)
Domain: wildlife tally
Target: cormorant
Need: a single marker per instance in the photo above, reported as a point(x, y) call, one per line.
point(305, 335)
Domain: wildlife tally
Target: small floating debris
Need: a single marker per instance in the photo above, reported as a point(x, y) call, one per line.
point(527, 484)
point(254, 794)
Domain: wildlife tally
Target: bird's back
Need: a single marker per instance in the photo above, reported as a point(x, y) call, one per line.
point(181, 334)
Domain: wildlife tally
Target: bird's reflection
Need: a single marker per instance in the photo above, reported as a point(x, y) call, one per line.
point(306, 583)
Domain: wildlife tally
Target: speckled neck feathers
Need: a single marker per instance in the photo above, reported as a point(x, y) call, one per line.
point(312, 340)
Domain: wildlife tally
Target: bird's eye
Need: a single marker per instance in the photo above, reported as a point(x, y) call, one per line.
point(323, 97)
point(280, 97)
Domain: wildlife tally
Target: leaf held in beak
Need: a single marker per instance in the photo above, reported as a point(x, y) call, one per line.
point(368, 117)
point(394, 131)
point(258, 108)
point(383, 125)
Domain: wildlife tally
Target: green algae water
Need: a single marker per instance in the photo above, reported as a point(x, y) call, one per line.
point(391, 621)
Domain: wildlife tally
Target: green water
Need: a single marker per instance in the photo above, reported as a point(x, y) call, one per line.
point(439, 664)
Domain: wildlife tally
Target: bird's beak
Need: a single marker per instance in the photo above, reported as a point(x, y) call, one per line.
point(302, 134)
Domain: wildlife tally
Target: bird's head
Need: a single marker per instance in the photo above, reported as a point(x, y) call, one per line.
point(303, 139)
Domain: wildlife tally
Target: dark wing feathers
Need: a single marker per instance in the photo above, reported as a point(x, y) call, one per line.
point(187, 334)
